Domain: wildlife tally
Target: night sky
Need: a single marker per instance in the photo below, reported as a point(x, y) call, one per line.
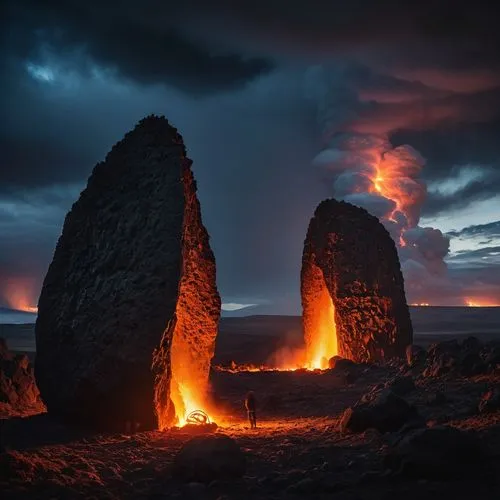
point(257, 89)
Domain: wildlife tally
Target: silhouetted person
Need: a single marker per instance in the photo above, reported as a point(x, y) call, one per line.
point(251, 407)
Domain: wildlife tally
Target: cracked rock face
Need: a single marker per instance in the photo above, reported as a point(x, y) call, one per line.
point(132, 276)
point(351, 262)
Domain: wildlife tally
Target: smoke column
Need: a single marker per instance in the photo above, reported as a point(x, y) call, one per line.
point(362, 167)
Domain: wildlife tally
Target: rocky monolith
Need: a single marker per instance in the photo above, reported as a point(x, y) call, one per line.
point(350, 258)
point(132, 274)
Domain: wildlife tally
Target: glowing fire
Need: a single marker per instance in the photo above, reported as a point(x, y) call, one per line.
point(185, 402)
point(320, 347)
point(420, 304)
point(323, 345)
point(189, 382)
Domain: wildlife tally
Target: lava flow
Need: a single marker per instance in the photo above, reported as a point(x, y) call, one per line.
point(320, 347)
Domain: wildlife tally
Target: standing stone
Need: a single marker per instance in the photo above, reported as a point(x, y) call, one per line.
point(132, 274)
point(351, 261)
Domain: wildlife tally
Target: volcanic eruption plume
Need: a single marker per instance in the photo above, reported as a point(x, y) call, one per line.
point(362, 167)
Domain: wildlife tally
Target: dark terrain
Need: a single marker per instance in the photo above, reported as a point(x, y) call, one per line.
point(302, 447)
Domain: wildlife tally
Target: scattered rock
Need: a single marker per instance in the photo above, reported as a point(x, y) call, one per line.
point(442, 357)
point(415, 355)
point(351, 261)
point(472, 364)
point(388, 412)
point(436, 453)
point(204, 459)
point(372, 394)
point(18, 387)
point(492, 360)
point(465, 358)
point(471, 344)
point(490, 401)
point(402, 385)
point(339, 363)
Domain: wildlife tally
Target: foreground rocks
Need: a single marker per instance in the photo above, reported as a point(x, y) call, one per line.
point(208, 458)
point(386, 413)
point(18, 390)
point(351, 282)
point(131, 285)
point(297, 450)
point(467, 358)
point(437, 453)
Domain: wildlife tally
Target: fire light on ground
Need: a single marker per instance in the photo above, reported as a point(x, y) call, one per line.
point(187, 401)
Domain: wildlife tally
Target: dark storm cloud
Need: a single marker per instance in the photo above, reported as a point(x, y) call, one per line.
point(491, 230)
point(484, 188)
point(427, 72)
point(128, 38)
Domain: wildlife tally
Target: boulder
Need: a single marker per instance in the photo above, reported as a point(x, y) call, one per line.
point(402, 385)
point(442, 357)
point(339, 363)
point(17, 382)
point(471, 364)
point(387, 413)
point(450, 356)
point(415, 355)
point(439, 452)
point(129, 306)
point(471, 344)
point(492, 359)
point(490, 401)
point(352, 287)
point(207, 458)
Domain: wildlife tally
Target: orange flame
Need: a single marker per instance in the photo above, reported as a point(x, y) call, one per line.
point(323, 344)
point(188, 388)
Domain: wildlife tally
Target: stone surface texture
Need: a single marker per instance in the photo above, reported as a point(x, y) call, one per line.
point(350, 255)
point(209, 458)
point(18, 390)
point(132, 269)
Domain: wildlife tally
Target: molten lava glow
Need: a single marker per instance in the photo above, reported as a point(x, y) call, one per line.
point(187, 389)
point(323, 345)
point(481, 303)
point(185, 401)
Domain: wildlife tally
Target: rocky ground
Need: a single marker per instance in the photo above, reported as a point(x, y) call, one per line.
point(437, 415)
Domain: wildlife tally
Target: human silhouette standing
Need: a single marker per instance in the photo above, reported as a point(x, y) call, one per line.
point(251, 406)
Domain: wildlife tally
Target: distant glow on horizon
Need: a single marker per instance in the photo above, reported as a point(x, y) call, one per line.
point(480, 303)
point(233, 306)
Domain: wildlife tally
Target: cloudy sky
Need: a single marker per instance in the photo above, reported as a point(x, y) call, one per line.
point(257, 89)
